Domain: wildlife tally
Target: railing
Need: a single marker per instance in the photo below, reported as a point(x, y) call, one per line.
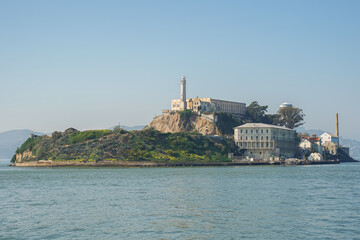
point(249, 144)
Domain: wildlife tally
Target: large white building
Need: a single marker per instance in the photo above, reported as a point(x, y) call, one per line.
point(201, 105)
point(328, 137)
point(263, 141)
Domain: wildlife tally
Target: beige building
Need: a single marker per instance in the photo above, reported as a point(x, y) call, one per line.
point(265, 141)
point(201, 105)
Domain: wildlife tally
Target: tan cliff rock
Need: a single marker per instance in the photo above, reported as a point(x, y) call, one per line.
point(25, 156)
point(175, 122)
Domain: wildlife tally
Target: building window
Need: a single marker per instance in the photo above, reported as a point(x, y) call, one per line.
point(241, 138)
point(267, 137)
point(267, 131)
point(246, 131)
point(262, 137)
point(262, 131)
point(246, 138)
point(251, 137)
point(257, 137)
point(241, 131)
point(256, 131)
point(251, 131)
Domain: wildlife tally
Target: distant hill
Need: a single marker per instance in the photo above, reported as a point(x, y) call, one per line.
point(11, 140)
point(139, 127)
point(354, 145)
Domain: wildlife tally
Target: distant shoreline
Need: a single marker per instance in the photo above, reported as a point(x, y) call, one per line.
point(44, 163)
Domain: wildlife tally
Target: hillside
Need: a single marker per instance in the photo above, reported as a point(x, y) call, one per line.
point(122, 145)
point(10, 140)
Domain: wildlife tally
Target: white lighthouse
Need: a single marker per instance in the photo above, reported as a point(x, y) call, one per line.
point(183, 92)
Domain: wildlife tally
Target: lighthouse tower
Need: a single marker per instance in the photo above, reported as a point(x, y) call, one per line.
point(183, 92)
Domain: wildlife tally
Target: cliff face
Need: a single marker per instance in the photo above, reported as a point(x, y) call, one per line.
point(185, 122)
point(25, 156)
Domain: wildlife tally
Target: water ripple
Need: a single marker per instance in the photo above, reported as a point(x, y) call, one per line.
point(312, 202)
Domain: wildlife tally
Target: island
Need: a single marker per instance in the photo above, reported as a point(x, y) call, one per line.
point(194, 132)
point(118, 147)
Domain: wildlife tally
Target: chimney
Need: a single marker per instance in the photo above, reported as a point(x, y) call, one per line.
point(337, 125)
point(337, 128)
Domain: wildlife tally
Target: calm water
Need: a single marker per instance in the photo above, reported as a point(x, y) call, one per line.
point(297, 202)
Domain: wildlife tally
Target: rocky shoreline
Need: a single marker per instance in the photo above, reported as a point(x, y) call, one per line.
point(50, 163)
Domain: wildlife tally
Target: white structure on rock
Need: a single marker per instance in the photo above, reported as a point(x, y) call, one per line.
point(265, 141)
point(315, 157)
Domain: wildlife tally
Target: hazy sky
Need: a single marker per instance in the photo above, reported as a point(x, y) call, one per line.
point(93, 64)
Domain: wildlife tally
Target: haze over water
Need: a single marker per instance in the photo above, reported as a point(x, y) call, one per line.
point(297, 202)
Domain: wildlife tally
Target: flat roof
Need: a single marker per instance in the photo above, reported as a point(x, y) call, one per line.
point(262, 125)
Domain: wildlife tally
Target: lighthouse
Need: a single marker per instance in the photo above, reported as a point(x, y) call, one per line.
point(183, 92)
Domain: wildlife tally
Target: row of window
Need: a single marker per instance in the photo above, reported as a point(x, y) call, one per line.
point(256, 138)
point(230, 108)
point(256, 145)
point(252, 131)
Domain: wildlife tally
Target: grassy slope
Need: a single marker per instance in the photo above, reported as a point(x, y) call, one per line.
point(145, 145)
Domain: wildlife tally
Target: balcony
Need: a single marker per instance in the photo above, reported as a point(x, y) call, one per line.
point(256, 144)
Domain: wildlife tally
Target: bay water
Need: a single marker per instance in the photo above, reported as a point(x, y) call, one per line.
point(260, 202)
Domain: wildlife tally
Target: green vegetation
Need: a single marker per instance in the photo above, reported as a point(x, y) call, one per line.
point(145, 145)
point(28, 144)
point(257, 114)
point(290, 117)
point(78, 137)
point(186, 114)
point(13, 159)
point(226, 123)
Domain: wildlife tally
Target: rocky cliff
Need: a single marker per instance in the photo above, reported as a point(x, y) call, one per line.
point(184, 122)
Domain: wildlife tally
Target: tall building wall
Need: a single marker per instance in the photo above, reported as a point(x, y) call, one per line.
point(261, 141)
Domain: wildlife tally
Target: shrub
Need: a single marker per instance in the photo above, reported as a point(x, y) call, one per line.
point(28, 144)
point(78, 137)
point(13, 159)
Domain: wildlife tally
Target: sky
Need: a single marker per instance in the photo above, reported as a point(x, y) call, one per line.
point(95, 64)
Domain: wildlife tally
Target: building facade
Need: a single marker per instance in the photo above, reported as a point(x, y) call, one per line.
point(306, 144)
point(328, 137)
point(265, 141)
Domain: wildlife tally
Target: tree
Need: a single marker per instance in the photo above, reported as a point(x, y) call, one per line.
point(257, 113)
point(56, 135)
point(118, 131)
point(290, 117)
